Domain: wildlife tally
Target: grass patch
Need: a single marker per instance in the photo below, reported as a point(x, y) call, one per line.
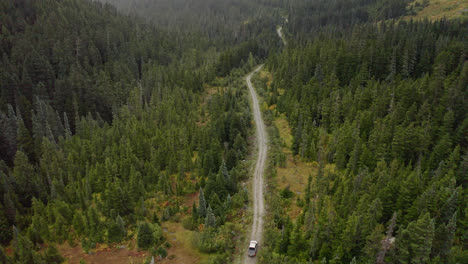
point(438, 9)
point(102, 254)
point(285, 132)
point(181, 250)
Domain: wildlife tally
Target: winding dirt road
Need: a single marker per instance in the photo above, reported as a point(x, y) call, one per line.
point(280, 34)
point(257, 183)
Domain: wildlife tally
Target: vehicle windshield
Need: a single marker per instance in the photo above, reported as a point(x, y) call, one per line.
point(251, 250)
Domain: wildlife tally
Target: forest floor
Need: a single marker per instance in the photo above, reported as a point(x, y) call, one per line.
point(437, 9)
point(74, 255)
point(181, 251)
point(296, 172)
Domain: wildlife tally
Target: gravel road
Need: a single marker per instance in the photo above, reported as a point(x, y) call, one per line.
point(257, 183)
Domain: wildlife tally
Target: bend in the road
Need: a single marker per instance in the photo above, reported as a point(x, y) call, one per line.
point(279, 30)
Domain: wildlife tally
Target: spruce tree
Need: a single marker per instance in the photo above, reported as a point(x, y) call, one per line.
point(67, 131)
point(449, 208)
point(121, 224)
point(228, 203)
point(25, 177)
point(12, 128)
point(194, 212)
point(220, 184)
point(5, 229)
point(9, 208)
point(94, 225)
point(201, 204)
point(52, 255)
point(24, 139)
point(414, 244)
point(210, 220)
point(145, 237)
point(443, 239)
point(78, 223)
point(116, 231)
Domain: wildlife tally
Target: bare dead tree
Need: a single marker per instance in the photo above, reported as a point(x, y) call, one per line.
point(388, 241)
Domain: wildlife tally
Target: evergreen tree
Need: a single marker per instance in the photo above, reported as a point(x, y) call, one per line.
point(25, 142)
point(373, 243)
point(52, 255)
point(449, 208)
point(25, 177)
point(5, 229)
point(94, 225)
point(145, 237)
point(210, 220)
point(201, 204)
point(68, 132)
point(116, 231)
point(194, 212)
point(78, 223)
point(415, 242)
point(9, 208)
point(443, 239)
point(228, 203)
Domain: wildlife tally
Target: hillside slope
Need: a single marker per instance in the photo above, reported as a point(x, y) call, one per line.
point(437, 9)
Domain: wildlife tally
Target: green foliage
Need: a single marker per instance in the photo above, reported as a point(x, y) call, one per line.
point(145, 237)
point(286, 193)
point(210, 220)
point(217, 240)
point(414, 243)
point(201, 204)
point(116, 231)
point(236, 57)
point(25, 252)
point(220, 23)
point(161, 251)
point(51, 255)
point(79, 223)
point(6, 233)
point(373, 105)
point(99, 114)
point(3, 257)
point(384, 102)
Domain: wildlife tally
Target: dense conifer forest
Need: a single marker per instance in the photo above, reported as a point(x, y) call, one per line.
point(106, 127)
point(384, 115)
point(117, 122)
point(382, 109)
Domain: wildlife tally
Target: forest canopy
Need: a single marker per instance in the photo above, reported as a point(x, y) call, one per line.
point(120, 118)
